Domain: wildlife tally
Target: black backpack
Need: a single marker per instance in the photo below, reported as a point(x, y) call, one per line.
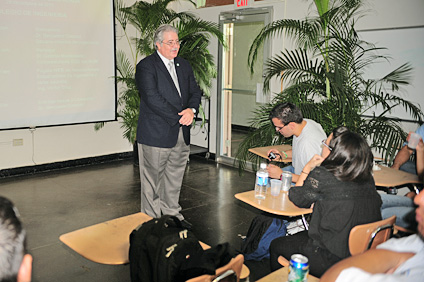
point(158, 248)
point(162, 251)
point(262, 230)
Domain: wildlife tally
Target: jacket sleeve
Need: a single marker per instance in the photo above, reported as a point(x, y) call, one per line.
point(304, 196)
point(193, 89)
point(195, 93)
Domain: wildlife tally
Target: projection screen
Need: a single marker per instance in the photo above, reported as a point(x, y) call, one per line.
point(57, 62)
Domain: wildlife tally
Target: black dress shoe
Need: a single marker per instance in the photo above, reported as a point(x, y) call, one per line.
point(185, 224)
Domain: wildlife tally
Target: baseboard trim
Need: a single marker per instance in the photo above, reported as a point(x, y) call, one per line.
point(27, 170)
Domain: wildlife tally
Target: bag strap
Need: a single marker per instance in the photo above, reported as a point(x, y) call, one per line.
point(163, 223)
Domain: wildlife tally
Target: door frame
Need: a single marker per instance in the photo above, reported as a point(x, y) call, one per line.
point(228, 17)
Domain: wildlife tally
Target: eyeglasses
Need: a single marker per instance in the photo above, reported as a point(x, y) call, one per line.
point(325, 144)
point(172, 43)
point(277, 128)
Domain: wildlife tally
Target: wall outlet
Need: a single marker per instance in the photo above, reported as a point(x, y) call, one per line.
point(18, 142)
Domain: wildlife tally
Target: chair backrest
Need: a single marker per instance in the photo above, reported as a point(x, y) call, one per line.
point(398, 229)
point(235, 265)
point(368, 236)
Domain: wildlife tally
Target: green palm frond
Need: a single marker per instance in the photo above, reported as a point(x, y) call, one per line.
point(303, 32)
point(195, 37)
point(120, 16)
point(322, 6)
point(296, 65)
point(124, 67)
point(199, 26)
point(400, 76)
point(386, 135)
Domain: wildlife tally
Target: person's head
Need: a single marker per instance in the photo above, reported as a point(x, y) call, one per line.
point(166, 41)
point(284, 117)
point(325, 144)
point(350, 158)
point(419, 213)
point(15, 264)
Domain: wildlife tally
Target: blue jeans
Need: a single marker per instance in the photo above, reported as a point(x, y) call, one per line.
point(400, 206)
point(288, 168)
point(410, 167)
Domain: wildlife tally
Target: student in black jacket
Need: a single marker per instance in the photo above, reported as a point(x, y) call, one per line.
point(340, 186)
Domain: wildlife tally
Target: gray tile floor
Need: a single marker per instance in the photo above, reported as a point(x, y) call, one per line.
point(57, 202)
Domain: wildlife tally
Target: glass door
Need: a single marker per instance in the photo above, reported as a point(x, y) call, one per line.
point(240, 92)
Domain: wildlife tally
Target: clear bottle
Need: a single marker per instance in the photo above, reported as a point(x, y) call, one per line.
point(261, 182)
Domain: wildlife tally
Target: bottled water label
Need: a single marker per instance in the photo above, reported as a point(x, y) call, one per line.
point(263, 181)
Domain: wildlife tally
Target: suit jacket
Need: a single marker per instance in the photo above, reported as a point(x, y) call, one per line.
point(160, 101)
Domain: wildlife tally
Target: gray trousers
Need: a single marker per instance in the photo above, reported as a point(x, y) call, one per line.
point(161, 176)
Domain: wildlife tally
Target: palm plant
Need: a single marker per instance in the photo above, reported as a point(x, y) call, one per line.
point(145, 17)
point(325, 75)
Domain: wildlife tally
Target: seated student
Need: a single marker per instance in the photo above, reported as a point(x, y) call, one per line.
point(15, 264)
point(340, 186)
point(395, 260)
point(403, 206)
point(402, 161)
point(307, 136)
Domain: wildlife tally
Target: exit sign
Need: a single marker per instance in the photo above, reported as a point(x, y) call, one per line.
point(243, 3)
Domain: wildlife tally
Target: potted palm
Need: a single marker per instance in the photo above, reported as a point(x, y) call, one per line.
point(325, 78)
point(145, 18)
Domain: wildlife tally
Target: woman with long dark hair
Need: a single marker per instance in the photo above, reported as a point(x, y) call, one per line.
point(340, 186)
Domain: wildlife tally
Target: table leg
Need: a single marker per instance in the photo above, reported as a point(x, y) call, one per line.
point(392, 190)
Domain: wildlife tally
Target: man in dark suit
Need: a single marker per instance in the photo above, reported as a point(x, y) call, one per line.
point(170, 98)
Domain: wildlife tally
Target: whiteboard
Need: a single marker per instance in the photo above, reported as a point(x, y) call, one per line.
point(403, 45)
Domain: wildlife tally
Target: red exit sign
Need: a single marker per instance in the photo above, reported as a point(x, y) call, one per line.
point(242, 3)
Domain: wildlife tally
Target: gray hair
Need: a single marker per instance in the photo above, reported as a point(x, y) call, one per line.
point(12, 241)
point(158, 38)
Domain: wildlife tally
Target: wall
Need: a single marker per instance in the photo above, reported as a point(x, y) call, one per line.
point(55, 144)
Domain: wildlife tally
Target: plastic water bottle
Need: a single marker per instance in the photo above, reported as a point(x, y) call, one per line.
point(261, 182)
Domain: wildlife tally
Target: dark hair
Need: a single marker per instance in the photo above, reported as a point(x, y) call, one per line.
point(337, 132)
point(351, 158)
point(12, 241)
point(286, 113)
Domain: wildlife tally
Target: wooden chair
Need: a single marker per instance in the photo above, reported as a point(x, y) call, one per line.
point(367, 236)
point(235, 265)
point(283, 261)
point(108, 242)
point(403, 230)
